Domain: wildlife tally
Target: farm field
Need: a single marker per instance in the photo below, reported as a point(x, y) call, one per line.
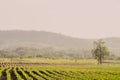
point(59, 70)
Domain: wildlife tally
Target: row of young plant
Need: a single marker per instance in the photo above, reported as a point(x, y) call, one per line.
point(31, 74)
point(28, 73)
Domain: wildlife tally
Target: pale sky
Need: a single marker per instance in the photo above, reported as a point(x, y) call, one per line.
point(77, 18)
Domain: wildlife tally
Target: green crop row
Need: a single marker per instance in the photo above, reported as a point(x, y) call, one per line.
point(38, 73)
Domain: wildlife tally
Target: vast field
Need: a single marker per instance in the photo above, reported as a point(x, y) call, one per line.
point(58, 69)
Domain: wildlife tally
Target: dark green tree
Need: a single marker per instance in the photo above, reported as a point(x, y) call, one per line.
point(100, 51)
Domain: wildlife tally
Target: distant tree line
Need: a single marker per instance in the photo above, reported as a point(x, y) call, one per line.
point(49, 52)
point(46, 52)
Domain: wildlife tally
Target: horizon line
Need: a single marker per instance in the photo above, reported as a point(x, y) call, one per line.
point(55, 33)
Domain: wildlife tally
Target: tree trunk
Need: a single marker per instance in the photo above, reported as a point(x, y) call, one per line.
point(100, 61)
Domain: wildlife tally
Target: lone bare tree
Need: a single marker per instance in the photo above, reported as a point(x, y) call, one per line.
point(100, 51)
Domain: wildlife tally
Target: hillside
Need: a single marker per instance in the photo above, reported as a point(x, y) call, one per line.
point(12, 38)
point(42, 38)
point(33, 42)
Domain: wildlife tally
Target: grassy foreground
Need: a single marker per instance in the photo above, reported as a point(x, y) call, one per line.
point(59, 69)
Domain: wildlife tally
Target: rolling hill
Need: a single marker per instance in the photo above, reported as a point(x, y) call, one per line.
point(41, 38)
point(37, 39)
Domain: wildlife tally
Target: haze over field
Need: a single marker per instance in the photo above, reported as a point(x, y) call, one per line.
point(61, 24)
point(36, 43)
point(77, 18)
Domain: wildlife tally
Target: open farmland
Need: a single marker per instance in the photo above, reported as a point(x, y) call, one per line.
point(58, 70)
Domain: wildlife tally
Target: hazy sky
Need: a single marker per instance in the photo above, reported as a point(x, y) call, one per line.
point(78, 18)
